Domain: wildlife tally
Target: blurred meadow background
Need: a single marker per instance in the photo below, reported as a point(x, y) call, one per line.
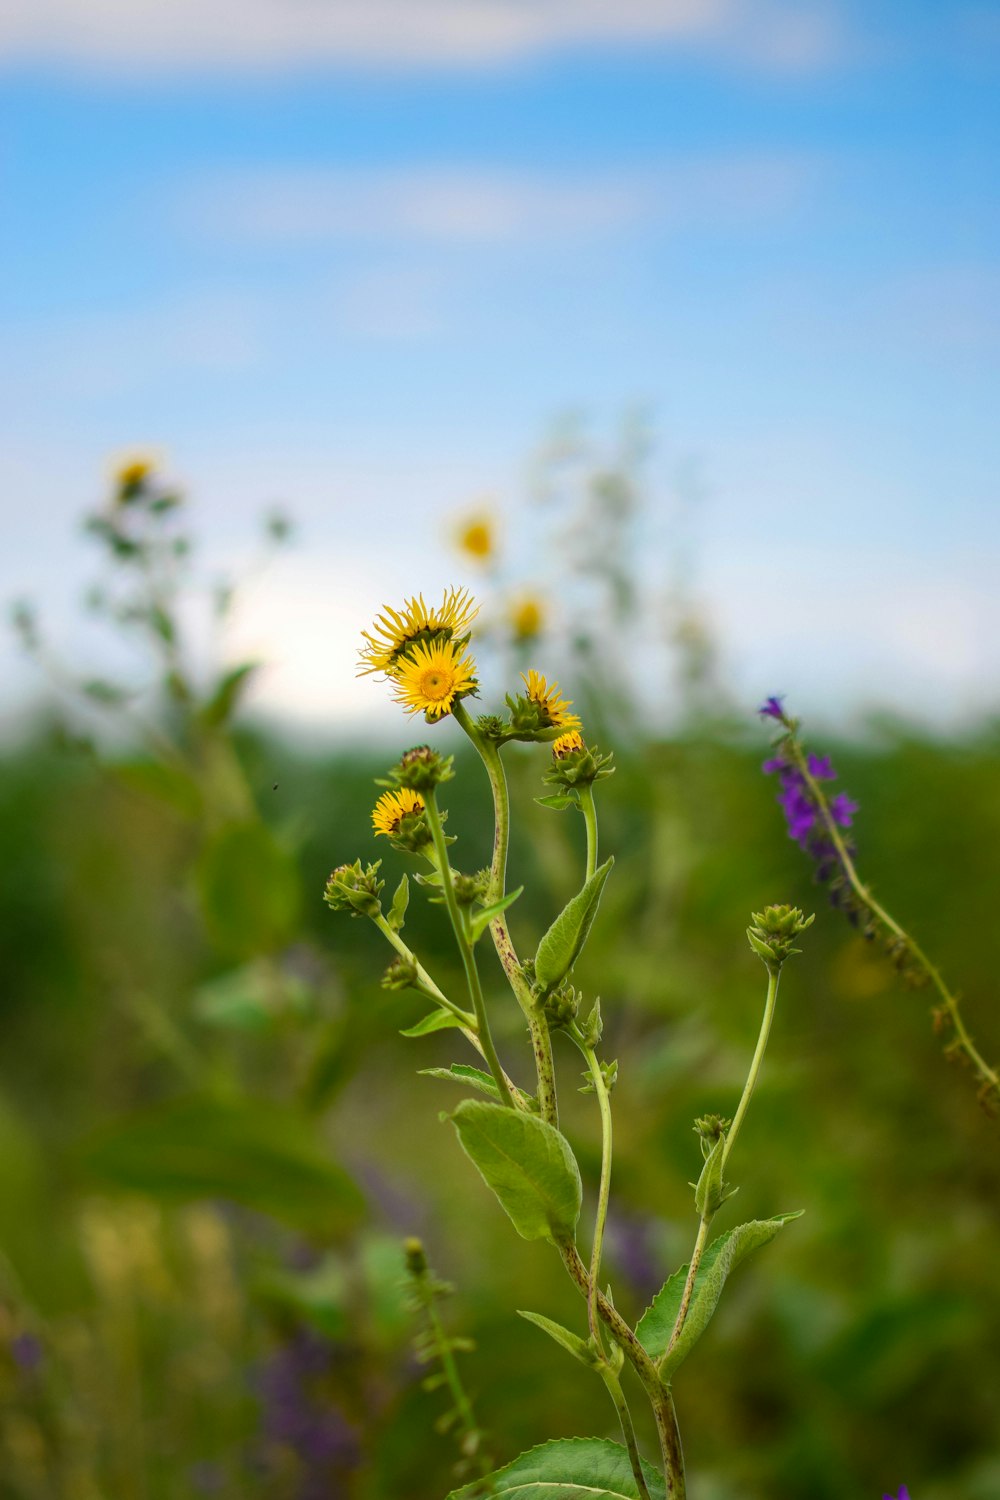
point(669, 328)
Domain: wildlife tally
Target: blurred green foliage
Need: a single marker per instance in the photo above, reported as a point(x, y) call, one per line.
point(861, 1353)
point(214, 1139)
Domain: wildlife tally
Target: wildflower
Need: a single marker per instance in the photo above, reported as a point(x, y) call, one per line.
point(477, 537)
point(354, 890)
point(567, 743)
point(430, 677)
point(904, 1494)
point(130, 476)
point(527, 617)
point(392, 807)
point(422, 768)
point(553, 710)
point(772, 932)
point(395, 632)
point(772, 708)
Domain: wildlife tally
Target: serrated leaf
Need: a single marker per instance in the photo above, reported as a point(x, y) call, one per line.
point(462, 1073)
point(438, 1020)
point(483, 918)
point(263, 1155)
point(568, 1469)
point(527, 1163)
point(721, 1258)
point(558, 801)
point(561, 945)
point(576, 1346)
point(400, 901)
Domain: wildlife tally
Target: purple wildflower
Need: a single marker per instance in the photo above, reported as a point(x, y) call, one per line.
point(771, 709)
point(842, 810)
point(299, 1412)
point(904, 1494)
point(821, 768)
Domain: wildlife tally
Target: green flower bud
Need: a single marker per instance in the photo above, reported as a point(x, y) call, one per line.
point(709, 1128)
point(575, 764)
point(772, 932)
point(470, 888)
point(560, 1006)
point(400, 975)
point(354, 890)
point(421, 769)
point(416, 1256)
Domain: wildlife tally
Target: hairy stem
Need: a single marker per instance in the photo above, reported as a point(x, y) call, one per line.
point(987, 1075)
point(541, 1040)
point(466, 950)
point(628, 1430)
point(682, 1311)
point(604, 1191)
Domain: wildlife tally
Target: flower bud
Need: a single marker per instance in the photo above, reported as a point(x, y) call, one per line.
point(772, 930)
point(422, 768)
point(354, 890)
point(560, 1006)
point(577, 764)
point(400, 975)
point(470, 888)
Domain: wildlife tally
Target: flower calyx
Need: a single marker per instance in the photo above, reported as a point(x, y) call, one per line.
point(772, 933)
point(421, 769)
point(401, 975)
point(355, 890)
point(576, 764)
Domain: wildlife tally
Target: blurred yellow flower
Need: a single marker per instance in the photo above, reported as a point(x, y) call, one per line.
point(431, 676)
point(566, 744)
point(394, 631)
point(547, 700)
point(132, 473)
point(477, 537)
point(527, 616)
point(392, 807)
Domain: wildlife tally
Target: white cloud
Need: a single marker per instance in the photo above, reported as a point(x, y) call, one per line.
point(168, 36)
point(492, 205)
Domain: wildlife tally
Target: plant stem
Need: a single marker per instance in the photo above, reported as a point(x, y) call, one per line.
point(541, 1039)
point(590, 818)
point(628, 1430)
point(659, 1394)
point(682, 1311)
point(604, 1191)
point(466, 949)
point(748, 1087)
point(987, 1075)
point(425, 979)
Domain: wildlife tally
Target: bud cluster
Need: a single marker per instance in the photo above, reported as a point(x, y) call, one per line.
point(710, 1128)
point(354, 890)
point(773, 930)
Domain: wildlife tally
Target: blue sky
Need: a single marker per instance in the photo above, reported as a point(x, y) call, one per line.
point(357, 256)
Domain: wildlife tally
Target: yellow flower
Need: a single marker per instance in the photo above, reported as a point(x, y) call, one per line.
point(477, 537)
point(133, 472)
point(547, 700)
point(566, 744)
point(395, 631)
point(527, 617)
point(432, 675)
point(392, 807)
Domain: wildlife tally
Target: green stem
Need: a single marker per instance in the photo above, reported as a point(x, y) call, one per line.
point(987, 1075)
point(541, 1039)
point(450, 1370)
point(660, 1396)
point(682, 1311)
point(466, 949)
point(604, 1191)
point(628, 1430)
point(748, 1087)
point(425, 980)
point(590, 818)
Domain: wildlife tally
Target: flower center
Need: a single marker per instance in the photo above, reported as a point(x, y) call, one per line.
point(435, 684)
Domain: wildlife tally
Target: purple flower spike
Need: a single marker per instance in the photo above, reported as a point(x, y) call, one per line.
point(821, 768)
point(842, 810)
point(771, 709)
point(904, 1494)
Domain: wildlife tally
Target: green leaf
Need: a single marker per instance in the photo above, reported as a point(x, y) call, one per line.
point(165, 783)
point(250, 890)
point(709, 1194)
point(265, 1156)
point(577, 1346)
point(721, 1257)
point(568, 1469)
point(400, 901)
point(558, 801)
point(228, 692)
point(438, 1020)
point(462, 1073)
point(527, 1163)
point(483, 918)
point(561, 945)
